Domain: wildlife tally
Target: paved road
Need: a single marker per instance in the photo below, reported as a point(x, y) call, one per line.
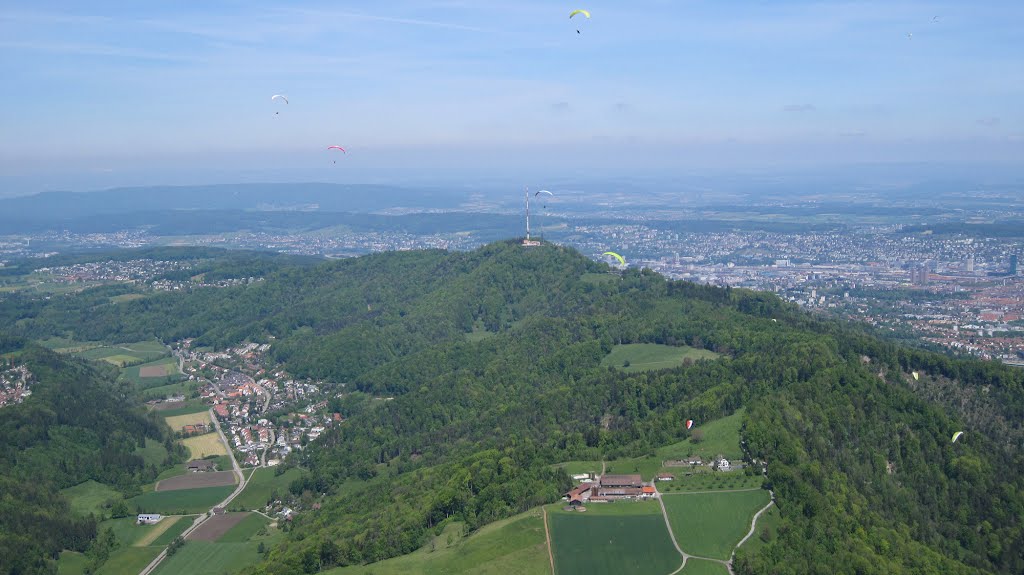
point(202, 518)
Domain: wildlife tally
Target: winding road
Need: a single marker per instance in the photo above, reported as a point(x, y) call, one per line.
point(202, 518)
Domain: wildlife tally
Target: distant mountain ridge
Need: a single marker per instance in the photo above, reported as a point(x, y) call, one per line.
point(360, 198)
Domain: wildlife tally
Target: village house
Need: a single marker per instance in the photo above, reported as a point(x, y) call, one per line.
point(148, 519)
point(665, 477)
point(721, 464)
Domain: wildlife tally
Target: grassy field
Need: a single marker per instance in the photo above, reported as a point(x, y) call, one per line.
point(202, 445)
point(160, 392)
point(126, 353)
point(704, 567)
point(71, 563)
point(711, 524)
point(170, 373)
point(578, 467)
point(651, 356)
point(153, 453)
point(128, 560)
point(600, 543)
point(245, 530)
point(126, 531)
point(711, 481)
point(767, 528)
point(178, 421)
point(90, 496)
point(64, 345)
point(126, 297)
point(208, 558)
point(720, 437)
point(262, 483)
point(182, 501)
point(514, 546)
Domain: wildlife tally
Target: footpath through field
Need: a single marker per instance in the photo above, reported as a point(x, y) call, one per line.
point(687, 556)
point(202, 518)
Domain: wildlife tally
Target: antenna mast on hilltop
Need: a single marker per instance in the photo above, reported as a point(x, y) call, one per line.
point(528, 241)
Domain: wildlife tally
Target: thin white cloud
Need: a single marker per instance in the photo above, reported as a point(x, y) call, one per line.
point(81, 49)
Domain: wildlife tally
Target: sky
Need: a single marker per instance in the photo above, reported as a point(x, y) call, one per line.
point(100, 93)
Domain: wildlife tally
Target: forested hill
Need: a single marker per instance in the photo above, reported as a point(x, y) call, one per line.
point(77, 425)
point(466, 375)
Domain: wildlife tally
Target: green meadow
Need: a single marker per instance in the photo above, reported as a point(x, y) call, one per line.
point(635, 357)
point(711, 524)
point(609, 540)
point(514, 546)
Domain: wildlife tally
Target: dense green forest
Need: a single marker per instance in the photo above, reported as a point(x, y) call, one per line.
point(77, 425)
point(487, 366)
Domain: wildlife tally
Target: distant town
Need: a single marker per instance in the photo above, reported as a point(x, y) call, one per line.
point(965, 294)
point(265, 413)
point(15, 383)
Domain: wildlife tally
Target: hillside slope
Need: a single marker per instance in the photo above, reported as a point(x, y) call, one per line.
point(492, 359)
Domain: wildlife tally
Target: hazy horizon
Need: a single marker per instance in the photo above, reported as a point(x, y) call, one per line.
point(109, 95)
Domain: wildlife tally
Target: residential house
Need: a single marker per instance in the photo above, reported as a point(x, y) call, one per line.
point(722, 464)
point(665, 477)
point(148, 518)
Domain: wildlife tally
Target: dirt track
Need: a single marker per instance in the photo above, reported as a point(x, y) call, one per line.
point(200, 479)
point(216, 526)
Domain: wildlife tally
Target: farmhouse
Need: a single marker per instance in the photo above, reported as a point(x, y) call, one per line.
point(148, 518)
point(666, 477)
point(633, 480)
point(722, 464)
point(197, 465)
point(579, 494)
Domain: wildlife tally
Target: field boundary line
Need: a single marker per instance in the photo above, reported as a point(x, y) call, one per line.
point(547, 540)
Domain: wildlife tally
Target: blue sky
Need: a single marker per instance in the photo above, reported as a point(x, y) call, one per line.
point(107, 93)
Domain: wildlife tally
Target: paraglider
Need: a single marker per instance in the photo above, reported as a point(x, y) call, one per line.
point(278, 97)
point(689, 423)
point(583, 12)
point(337, 148)
point(957, 436)
point(621, 259)
point(916, 375)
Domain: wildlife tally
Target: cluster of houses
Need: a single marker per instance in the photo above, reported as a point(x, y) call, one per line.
point(614, 487)
point(15, 383)
point(610, 488)
point(242, 386)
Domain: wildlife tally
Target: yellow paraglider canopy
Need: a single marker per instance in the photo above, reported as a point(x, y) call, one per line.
point(957, 436)
point(621, 259)
point(575, 12)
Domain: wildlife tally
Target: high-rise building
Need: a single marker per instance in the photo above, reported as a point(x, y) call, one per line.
point(1013, 265)
point(919, 274)
point(970, 263)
